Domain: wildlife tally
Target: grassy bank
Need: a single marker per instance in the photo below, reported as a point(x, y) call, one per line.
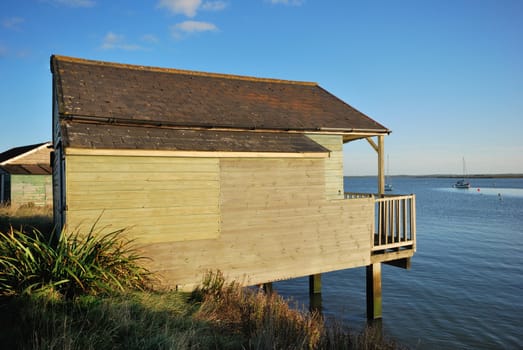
point(89, 292)
point(138, 320)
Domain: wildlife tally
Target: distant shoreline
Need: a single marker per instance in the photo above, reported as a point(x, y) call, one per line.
point(477, 176)
point(450, 176)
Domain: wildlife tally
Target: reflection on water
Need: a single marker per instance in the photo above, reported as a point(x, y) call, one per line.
point(488, 191)
point(464, 288)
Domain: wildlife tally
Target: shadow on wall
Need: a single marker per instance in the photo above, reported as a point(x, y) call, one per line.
point(26, 217)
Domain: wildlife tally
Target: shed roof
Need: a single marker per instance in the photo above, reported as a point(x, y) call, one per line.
point(15, 152)
point(120, 93)
point(27, 169)
point(111, 136)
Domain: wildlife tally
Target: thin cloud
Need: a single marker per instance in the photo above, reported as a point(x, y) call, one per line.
point(288, 2)
point(6, 52)
point(12, 23)
point(190, 27)
point(186, 7)
point(214, 5)
point(74, 3)
point(190, 8)
point(114, 41)
point(149, 38)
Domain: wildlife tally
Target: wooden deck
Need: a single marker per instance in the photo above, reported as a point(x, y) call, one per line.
point(394, 233)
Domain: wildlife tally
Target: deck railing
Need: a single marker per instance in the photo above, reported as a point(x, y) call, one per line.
point(395, 221)
point(354, 195)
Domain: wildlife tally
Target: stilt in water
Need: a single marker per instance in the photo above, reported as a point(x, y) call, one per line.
point(374, 291)
point(267, 288)
point(315, 292)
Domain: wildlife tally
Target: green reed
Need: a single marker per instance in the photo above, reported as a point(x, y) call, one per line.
point(70, 265)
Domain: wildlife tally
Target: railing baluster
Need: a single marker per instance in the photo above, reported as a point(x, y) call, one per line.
point(391, 221)
point(404, 220)
point(387, 218)
point(380, 221)
point(395, 220)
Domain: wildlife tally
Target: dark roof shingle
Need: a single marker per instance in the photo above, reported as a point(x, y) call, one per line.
point(118, 92)
point(100, 136)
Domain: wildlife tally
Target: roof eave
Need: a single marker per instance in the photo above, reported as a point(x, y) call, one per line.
point(164, 124)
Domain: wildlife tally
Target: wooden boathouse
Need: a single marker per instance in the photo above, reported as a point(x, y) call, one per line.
point(25, 175)
point(222, 172)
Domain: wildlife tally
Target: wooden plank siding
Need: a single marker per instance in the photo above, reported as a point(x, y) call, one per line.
point(293, 224)
point(161, 199)
point(256, 219)
point(275, 224)
point(35, 189)
point(333, 164)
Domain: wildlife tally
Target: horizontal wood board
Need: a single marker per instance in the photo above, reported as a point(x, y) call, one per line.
point(276, 223)
point(333, 164)
point(158, 199)
point(35, 189)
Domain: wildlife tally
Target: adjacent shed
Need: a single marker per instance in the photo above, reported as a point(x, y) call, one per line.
point(214, 171)
point(25, 175)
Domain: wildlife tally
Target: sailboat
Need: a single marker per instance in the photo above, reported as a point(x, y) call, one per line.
point(388, 185)
point(462, 183)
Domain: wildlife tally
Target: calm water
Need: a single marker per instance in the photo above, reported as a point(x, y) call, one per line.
point(465, 287)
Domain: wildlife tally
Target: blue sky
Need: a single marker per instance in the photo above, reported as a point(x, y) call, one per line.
point(445, 76)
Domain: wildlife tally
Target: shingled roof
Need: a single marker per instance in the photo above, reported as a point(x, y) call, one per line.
point(18, 151)
point(103, 136)
point(15, 160)
point(102, 92)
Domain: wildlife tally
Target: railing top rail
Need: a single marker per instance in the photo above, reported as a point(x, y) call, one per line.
point(382, 198)
point(355, 195)
point(395, 197)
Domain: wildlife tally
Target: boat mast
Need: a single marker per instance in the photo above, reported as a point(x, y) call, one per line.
point(464, 169)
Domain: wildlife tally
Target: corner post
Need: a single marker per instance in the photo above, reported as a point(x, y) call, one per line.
point(381, 165)
point(374, 291)
point(2, 188)
point(374, 270)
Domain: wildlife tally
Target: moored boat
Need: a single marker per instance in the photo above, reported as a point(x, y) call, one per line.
point(388, 185)
point(462, 183)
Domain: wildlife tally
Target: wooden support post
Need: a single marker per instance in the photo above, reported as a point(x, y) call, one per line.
point(381, 165)
point(315, 292)
point(2, 176)
point(267, 288)
point(374, 291)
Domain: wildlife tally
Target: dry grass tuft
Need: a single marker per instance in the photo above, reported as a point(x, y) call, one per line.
point(263, 320)
point(266, 321)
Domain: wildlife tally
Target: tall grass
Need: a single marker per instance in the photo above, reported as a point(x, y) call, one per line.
point(225, 317)
point(266, 321)
point(89, 291)
point(125, 321)
point(71, 265)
